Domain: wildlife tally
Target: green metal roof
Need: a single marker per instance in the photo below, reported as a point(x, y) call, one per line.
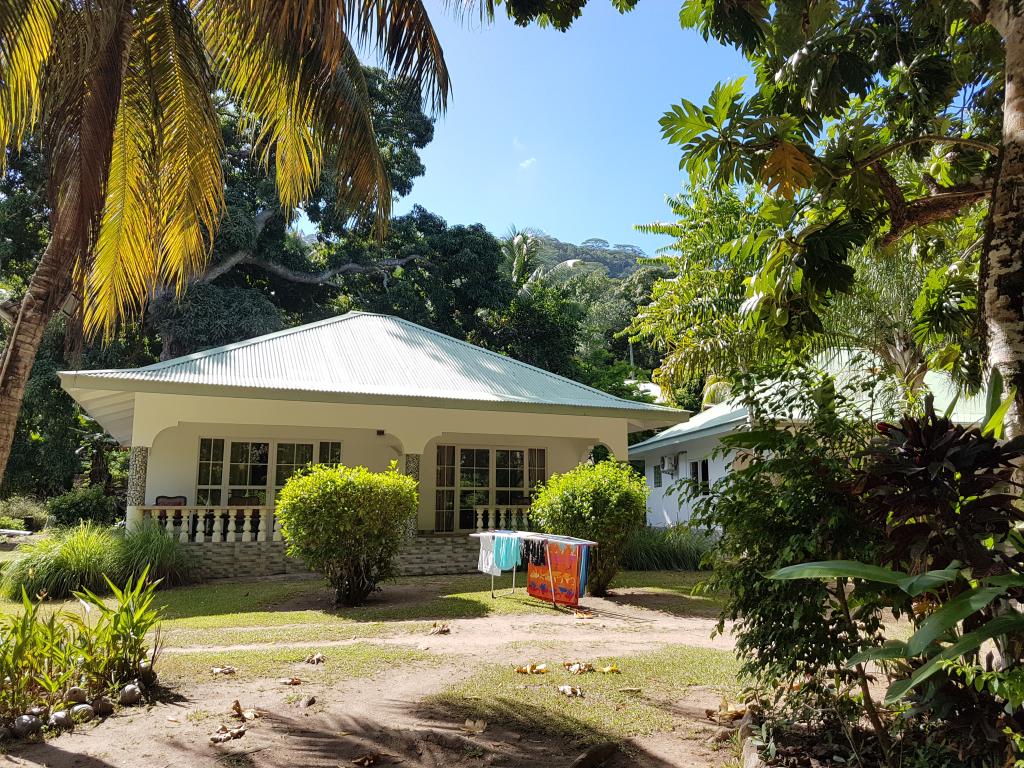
point(722, 418)
point(364, 357)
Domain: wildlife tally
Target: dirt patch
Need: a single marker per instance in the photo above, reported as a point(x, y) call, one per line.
point(384, 716)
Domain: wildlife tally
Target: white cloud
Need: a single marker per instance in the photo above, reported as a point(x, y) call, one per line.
point(528, 162)
point(518, 146)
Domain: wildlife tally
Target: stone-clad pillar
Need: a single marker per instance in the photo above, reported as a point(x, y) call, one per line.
point(138, 464)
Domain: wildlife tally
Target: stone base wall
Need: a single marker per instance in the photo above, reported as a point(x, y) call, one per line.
point(422, 555)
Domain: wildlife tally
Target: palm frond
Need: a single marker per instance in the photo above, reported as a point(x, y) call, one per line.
point(165, 194)
point(298, 110)
point(26, 38)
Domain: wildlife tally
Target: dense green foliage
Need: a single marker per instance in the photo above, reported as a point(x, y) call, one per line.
point(604, 502)
point(348, 524)
point(64, 560)
point(88, 504)
point(42, 654)
point(788, 501)
point(31, 512)
point(670, 548)
point(12, 523)
point(149, 548)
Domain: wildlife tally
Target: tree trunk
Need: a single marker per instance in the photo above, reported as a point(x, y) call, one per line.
point(1003, 261)
point(49, 285)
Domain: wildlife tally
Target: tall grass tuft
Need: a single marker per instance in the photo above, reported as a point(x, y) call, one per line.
point(63, 561)
point(672, 548)
point(150, 546)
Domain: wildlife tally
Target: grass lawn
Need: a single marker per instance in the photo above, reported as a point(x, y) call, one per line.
point(610, 708)
point(299, 609)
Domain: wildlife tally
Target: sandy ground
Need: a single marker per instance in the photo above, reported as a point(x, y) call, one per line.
point(384, 715)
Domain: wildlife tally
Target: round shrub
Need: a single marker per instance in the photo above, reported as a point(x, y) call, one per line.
point(62, 561)
point(347, 524)
point(604, 502)
point(150, 546)
point(83, 505)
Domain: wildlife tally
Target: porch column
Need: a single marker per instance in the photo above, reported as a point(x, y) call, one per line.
point(412, 469)
point(138, 463)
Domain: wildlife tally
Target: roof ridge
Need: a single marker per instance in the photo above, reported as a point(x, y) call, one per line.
point(506, 358)
point(163, 364)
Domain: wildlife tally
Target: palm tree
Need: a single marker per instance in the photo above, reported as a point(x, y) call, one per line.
point(119, 94)
point(520, 249)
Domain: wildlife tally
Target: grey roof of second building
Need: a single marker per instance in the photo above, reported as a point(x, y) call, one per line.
point(370, 355)
point(723, 417)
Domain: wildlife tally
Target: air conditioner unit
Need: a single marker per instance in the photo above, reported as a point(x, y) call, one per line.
point(669, 464)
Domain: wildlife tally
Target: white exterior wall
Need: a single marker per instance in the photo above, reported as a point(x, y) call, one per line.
point(667, 505)
point(172, 425)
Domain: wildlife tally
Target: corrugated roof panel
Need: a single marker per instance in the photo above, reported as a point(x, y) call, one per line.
point(363, 353)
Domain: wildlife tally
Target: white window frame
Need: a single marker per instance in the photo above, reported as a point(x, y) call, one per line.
point(492, 474)
point(270, 487)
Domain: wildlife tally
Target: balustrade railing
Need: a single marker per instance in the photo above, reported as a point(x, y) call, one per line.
point(216, 524)
point(505, 516)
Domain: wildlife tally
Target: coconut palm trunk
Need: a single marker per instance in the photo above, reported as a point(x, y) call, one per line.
point(1002, 271)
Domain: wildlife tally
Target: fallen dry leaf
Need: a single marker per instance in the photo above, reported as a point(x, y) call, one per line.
point(533, 669)
point(578, 667)
point(290, 681)
point(224, 733)
point(570, 690)
point(629, 690)
point(582, 614)
point(316, 658)
point(611, 669)
point(243, 714)
point(440, 629)
point(475, 726)
point(367, 759)
point(222, 670)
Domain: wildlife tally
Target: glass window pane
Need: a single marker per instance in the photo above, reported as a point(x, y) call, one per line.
point(304, 454)
point(204, 473)
point(258, 474)
point(216, 473)
point(237, 474)
point(239, 452)
point(205, 449)
point(285, 453)
point(218, 450)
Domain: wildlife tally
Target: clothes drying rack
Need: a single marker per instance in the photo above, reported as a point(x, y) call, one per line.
point(545, 538)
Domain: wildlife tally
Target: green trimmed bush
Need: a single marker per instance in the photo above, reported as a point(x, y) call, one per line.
point(11, 523)
point(150, 546)
point(347, 524)
point(671, 548)
point(604, 502)
point(83, 505)
point(62, 561)
point(26, 508)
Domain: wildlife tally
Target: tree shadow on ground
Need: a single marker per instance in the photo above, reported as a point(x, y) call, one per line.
point(51, 755)
point(673, 604)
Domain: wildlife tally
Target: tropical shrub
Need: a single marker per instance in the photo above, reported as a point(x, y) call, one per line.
point(26, 508)
point(788, 500)
point(604, 502)
point(347, 524)
point(952, 563)
point(11, 523)
point(99, 649)
point(88, 504)
point(63, 561)
point(670, 548)
point(150, 547)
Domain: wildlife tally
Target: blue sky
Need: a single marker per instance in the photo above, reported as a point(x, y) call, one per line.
point(559, 131)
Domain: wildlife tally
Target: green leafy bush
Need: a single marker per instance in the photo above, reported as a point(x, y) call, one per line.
point(26, 508)
point(151, 547)
point(100, 649)
point(670, 548)
point(604, 502)
point(11, 523)
point(347, 523)
point(63, 561)
point(88, 504)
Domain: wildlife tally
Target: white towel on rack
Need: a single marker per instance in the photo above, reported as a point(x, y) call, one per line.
point(486, 562)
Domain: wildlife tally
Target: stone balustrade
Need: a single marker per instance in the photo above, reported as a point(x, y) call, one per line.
point(504, 516)
point(226, 525)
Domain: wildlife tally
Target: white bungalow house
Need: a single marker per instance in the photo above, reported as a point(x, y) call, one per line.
point(216, 434)
point(689, 450)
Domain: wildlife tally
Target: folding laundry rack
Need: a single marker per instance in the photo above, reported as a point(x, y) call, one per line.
point(545, 538)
